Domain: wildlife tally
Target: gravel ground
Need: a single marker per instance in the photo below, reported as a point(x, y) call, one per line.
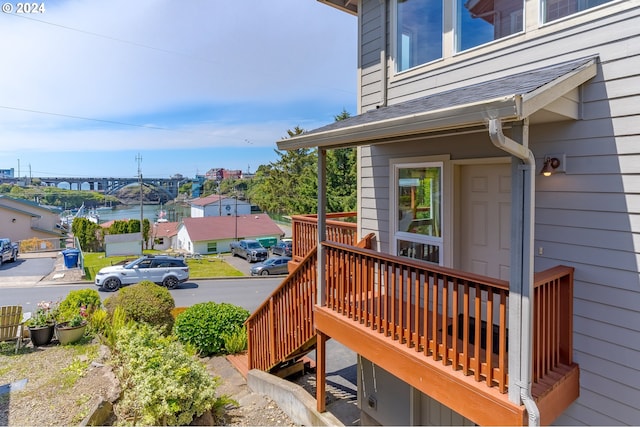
point(65, 383)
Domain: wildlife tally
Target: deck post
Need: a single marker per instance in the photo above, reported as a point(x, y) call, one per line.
point(321, 374)
point(322, 225)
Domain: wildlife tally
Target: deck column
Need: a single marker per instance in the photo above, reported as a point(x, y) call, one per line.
point(322, 224)
point(321, 371)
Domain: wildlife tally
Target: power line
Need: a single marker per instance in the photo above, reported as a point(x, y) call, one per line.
point(103, 36)
point(70, 116)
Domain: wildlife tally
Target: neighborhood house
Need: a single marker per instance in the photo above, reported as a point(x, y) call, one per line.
point(211, 235)
point(22, 220)
point(215, 205)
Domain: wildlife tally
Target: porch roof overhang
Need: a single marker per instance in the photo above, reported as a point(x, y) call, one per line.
point(349, 6)
point(508, 99)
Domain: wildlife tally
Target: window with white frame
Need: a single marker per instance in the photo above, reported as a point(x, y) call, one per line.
point(556, 9)
point(420, 26)
point(212, 247)
point(417, 198)
point(418, 32)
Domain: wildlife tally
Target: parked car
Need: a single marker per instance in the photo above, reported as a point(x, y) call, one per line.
point(8, 251)
point(283, 248)
point(251, 250)
point(276, 265)
point(163, 270)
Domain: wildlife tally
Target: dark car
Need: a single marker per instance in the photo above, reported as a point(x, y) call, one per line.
point(277, 265)
point(283, 248)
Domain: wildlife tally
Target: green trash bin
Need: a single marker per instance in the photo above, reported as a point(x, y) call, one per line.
point(267, 242)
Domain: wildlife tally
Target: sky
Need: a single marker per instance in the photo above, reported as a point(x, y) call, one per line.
point(87, 87)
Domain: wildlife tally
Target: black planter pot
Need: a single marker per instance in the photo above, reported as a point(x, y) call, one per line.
point(41, 335)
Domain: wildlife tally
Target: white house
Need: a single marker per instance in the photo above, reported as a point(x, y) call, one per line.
point(214, 234)
point(215, 205)
point(165, 235)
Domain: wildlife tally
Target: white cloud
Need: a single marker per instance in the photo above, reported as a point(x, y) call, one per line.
point(198, 52)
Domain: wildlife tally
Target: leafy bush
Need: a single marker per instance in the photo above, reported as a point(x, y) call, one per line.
point(144, 302)
point(236, 342)
point(206, 324)
point(162, 383)
point(107, 326)
point(71, 305)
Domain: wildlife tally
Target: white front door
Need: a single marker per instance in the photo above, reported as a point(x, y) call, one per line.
point(485, 219)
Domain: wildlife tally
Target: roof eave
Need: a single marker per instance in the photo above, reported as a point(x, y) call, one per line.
point(349, 6)
point(468, 115)
point(540, 98)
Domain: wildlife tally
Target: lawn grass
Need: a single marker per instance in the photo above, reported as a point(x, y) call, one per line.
point(207, 266)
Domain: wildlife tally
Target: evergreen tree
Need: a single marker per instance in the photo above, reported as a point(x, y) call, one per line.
point(87, 233)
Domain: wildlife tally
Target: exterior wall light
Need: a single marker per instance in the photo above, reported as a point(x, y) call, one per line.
point(550, 165)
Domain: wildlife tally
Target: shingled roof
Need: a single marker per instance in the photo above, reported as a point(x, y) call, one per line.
point(204, 201)
point(508, 98)
point(224, 227)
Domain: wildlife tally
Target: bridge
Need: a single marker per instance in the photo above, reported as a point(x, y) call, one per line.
point(165, 186)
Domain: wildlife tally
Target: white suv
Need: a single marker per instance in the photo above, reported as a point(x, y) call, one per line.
point(163, 270)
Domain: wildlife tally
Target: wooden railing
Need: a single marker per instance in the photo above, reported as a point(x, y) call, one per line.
point(283, 325)
point(305, 231)
point(458, 319)
point(552, 320)
point(453, 317)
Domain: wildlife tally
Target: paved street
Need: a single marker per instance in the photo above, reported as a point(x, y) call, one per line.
point(28, 269)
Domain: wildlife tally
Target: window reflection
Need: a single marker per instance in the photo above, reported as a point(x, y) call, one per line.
point(421, 251)
point(482, 21)
point(556, 9)
point(419, 201)
point(419, 32)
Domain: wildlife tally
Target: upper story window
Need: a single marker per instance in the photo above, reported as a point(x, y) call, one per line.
point(420, 26)
point(428, 30)
point(419, 32)
point(556, 9)
point(482, 21)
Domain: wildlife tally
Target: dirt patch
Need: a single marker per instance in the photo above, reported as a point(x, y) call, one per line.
point(62, 384)
point(65, 383)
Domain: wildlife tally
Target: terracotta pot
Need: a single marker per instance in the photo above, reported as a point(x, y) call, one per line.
point(69, 334)
point(41, 335)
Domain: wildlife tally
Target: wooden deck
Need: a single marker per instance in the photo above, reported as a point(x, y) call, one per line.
point(443, 331)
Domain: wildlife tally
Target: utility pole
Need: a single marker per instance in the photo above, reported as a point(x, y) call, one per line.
point(139, 160)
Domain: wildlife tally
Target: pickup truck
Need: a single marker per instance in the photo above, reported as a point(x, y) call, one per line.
point(251, 250)
point(8, 251)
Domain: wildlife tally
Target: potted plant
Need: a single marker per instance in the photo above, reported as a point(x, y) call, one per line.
point(72, 330)
point(41, 324)
point(73, 313)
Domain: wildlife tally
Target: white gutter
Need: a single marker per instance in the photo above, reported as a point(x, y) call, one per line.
point(522, 271)
point(505, 107)
point(383, 54)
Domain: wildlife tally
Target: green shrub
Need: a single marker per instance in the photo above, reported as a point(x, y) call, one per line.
point(107, 327)
point(144, 302)
point(205, 325)
point(236, 341)
point(70, 306)
point(162, 383)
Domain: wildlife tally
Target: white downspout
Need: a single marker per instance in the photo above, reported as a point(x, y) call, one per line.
point(383, 54)
point(524, 278)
